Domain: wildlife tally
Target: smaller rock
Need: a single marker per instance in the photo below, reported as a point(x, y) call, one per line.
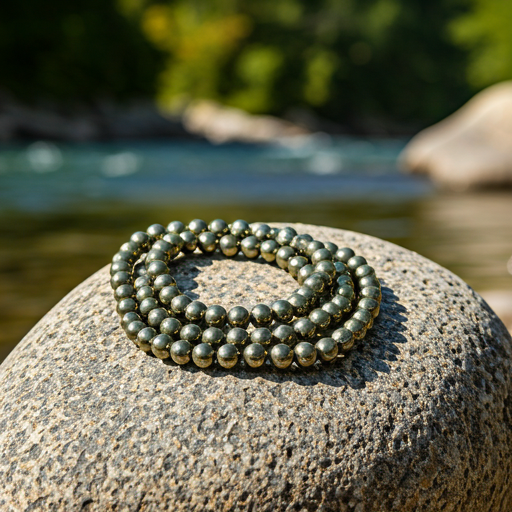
point(470, 149)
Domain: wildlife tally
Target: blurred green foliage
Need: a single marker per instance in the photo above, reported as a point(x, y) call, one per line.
point(356, 62)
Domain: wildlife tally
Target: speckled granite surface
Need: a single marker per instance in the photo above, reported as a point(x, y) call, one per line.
point(418, 418)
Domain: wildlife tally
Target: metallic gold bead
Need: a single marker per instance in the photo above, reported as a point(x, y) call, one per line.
point(237, 336)
point(327, 349)
point(282, 311)
point(320, 318)
point(215, 316)
point(144, 338)
point(156, 231)
point(250, 247)
point(163, 280)
point(357, 327)
point(207, 242)
point(147, 305)
point(344, 338)
point(197, 226)
point(371, 305)
point(202, 355)
point(238, 316)
point(180, 351)
point(227, 355)
point(269, 250)
point(254, 355)
point(305, 353)
point(344, 254)
point(156, 316)
point(212, 335)
point(168, 293)
point(195, 311)
point(218, 227)
point(176, 227)
point(285, 236)
point(191, 333)
point(261, 315)
point(304, 328)
point(171, 326)
point(355, 262)
point(321, 255)
point(261, 335)
point(190, 241)
point(283, 255)
point(282, 355)
point(125, 306)
point(228, 245)
point(160, 346)
point(285, 334)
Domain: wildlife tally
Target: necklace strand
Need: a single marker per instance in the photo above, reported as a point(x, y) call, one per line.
point(337, 301)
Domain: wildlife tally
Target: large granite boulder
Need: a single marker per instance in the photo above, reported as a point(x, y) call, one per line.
point(417, 418)
point(472, 148)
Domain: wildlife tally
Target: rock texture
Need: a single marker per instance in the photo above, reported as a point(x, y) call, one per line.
point(417, 418)
point(472, 148)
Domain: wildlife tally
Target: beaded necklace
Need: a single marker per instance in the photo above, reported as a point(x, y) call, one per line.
point(337, 301)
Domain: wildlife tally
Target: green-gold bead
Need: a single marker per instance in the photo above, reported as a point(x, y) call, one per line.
point(326, 267)
point(285, 236)
point(365, 317)
point(180, 351)
point(179, 304)
point(141, 238)
point(281, 355)
point(371, 292)
point(238, 316)
point(283, 255)
point(344, 303)
point(156, 231)
point(171, 326)
point(160, 346)
point(261, 315)
point(191, 333)
point(345, 279)
point(261, 335)
point(147, 305)
point(228, 245)
point(144, 338)
point(240, 228)
point(357, 327)
point(305, 353)
point(327, 349)
point(333, 248)
point(125, 306)
point(168, 293)
point(227, 355)
point(120, 278)
point(320, 318)
point(300, 242)
point(344, 254)
point(250, 247)
point(237, 336)
point(284, 334)
point(176, 242)
point(299, 304)
point(321, 255)
point(141, 282)
point(308, 293)
point(144, 292)
point(344, 338)
point(261, 231)
point(315, 283)
point(157, 268)
point(163, 280)
point(198, 226)
point(254, 355)
point(202, 355)
point(282, 311)
point(369, 281)
point(176, 227)
point(304, 328)
point(125, 291)
point(268, 250)
point(157, 316)
point(355, 262)
point(190, 241)
point(213, 335)
point(128, 318)
point(334, 311)
point(295, 264)
point(207, 242)
point(120, 266)
point(371, 305)
point(133, 329)
point(218, 227)
point(313, 246)
point(195, 311)
point(346, 291)
point(364, 270)
point(215, 316)
point(305, 272)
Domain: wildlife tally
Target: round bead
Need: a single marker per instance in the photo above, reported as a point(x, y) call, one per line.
point(282, 355)
point(179, 304)
point(215, 316)
point(120, 278)
point(202, 355)
point(342, 302)
point(364, 282)
point(156, 316)
point(162, 245)
point(308, 293)
point(261, 231)
point(133, 329)
point(371, 292)
point(168, 293)
point(170, 326)
point(305, 353)
point(357, 327)
point(273, 233)
point(238, 316)
point(327, 267)
point(142, 281)
point(344, 338)
point(176, 227)
point(299, 304)
point(176, 242)
point(315, 282)
point(282, 311)
point(300, 242)
point(344, 254)
point(160, 346)
point(125, 291)
point(130, 247)
point(237, 336)
point(147, 305)
point(327, 349)
point(139, 270)
point(355, 262)
point(240, 228)
point(156, 231)
point(144, 293)
point(156, 268)
point(144, 338)
point(228, 245)
point(120, 266)
point(163, 280)
point(127, 256)
point(321, 255)
point(218, 227)
point(331, 247)
point(365, 317)
point(320, 318)
point(334, 311)
point(141, 238)
point(254, 355)
point(261, 315)
point(305, 272)
point(262, 335)
point(285, 236)
point(190, 241)
point(125, 306)
point(212, 335)
point(345, 279)
point(295, 264)
point(128, 318)
point(371, 305)
point(304, 328)
point(285, 334)
point(155, 255)
point(364, 270)
point(191, 333)
point(269, 250)
point(341, 268)
point(346, 291)
point(180, 351)
point(207, 242)
point(283, 255)
point(250, 247)
point(312, 247)
point(227, 355)
point(198, 226)
point(195, 311)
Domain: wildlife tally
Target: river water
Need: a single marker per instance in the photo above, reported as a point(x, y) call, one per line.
point(65, 209)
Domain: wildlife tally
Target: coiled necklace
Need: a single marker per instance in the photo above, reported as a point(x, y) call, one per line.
point(337, 301)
